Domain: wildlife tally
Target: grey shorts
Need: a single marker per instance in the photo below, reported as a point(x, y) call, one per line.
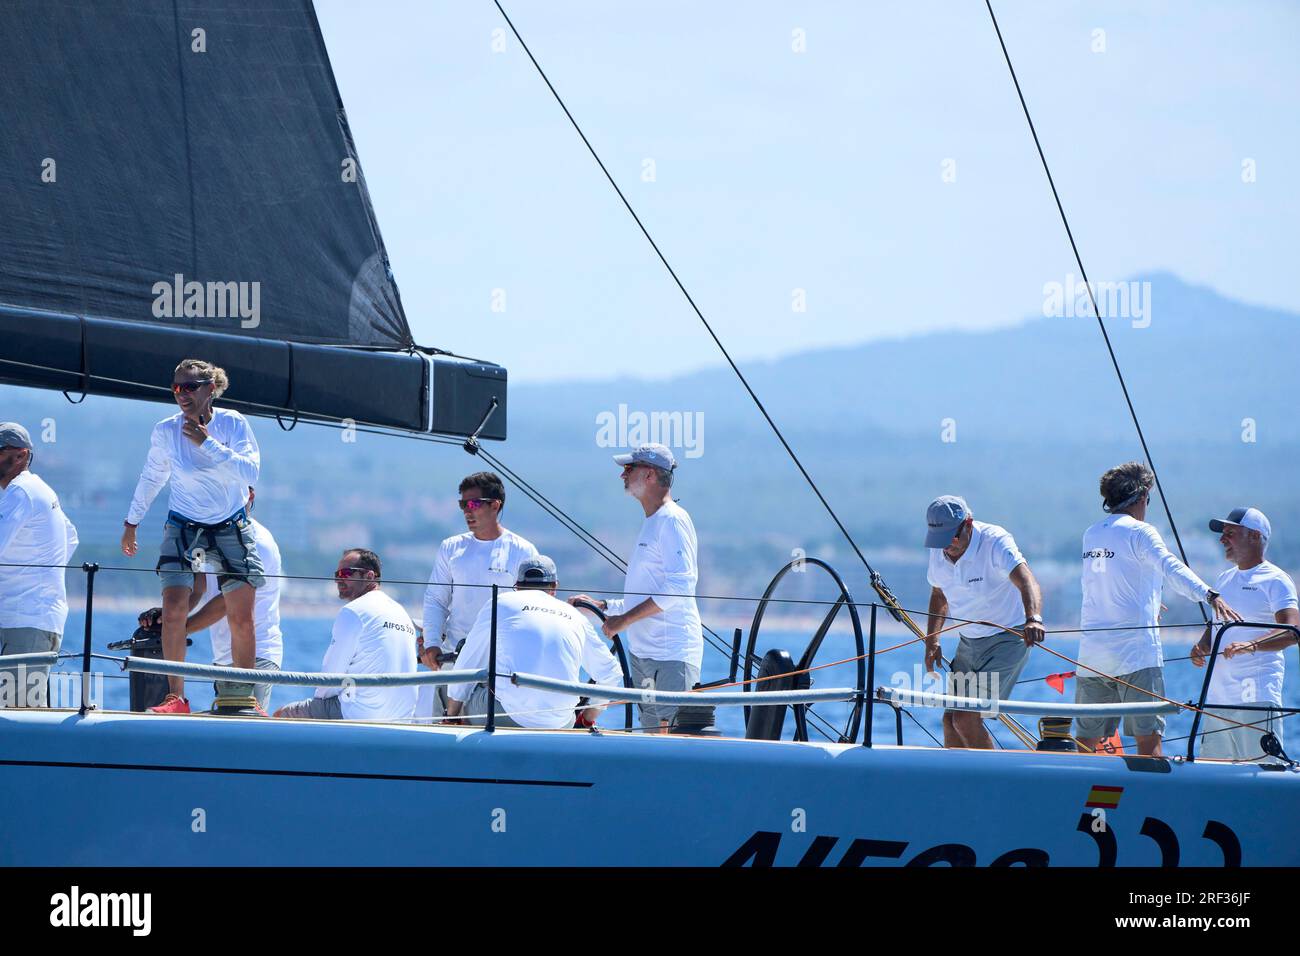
point(232, 546)
point(476, 708)
point(314, 708)
point(225, 688)
point(987, 666)
point(1104, 690)
point(1228, 742)
point(26, 690)
point(661, 675)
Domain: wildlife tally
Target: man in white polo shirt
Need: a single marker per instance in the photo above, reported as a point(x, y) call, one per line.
point(1125, 568)
point(657, 613)
point(536, 634)
point(977, 574)
point(1250, 669)
point(464, 570)
point(35, 538)
point(373, 634)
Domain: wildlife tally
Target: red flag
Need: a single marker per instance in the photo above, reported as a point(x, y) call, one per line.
point(1058, 681)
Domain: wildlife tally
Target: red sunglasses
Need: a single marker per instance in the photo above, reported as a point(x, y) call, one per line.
point(178, 387)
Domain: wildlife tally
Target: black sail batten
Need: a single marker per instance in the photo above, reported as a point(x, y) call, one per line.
point(179, 177)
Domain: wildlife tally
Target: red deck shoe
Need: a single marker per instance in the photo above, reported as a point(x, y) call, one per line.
point(172, 704)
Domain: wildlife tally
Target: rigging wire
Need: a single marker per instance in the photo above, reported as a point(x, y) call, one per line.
point(695, 308)
point(926, 729)
point(1078, 259)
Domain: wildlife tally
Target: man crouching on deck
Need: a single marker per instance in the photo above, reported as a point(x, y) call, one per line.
point(978, 574)
point(373, 634)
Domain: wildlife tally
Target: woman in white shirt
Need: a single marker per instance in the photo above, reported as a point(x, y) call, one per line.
point(211, 459)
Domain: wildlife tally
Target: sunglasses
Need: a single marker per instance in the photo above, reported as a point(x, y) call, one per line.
point(189, 387)
point(473, 504)
point(350, 572)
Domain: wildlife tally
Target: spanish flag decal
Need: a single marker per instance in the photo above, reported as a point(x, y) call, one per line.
point(1105, 797)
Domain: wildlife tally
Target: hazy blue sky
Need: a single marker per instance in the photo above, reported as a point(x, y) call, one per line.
point(819, 170)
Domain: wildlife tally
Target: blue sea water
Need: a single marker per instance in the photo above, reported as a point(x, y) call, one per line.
point(305, 641)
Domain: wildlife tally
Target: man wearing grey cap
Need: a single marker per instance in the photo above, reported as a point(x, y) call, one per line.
point(657, 613)
point(977, 575)
point(36, 537)
point(536, 634)
point(1251, 668)
point(1125, 568)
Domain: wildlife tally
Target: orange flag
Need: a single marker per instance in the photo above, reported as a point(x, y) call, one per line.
point(1058, 681)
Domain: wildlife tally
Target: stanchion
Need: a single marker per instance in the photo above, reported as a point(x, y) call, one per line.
point(866, 702)
point(491, 723)
point(90, 570)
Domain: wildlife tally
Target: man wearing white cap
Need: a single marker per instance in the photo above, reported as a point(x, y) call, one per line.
point(536, 634)
point(657, 613)
point(35, 538)
point(978, 575)
point(1125, 568)
point(1250, 669)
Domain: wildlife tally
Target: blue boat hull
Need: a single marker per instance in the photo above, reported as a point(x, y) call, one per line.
point(124, 789)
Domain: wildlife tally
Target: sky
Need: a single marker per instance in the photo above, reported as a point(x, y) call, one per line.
point(827, 169)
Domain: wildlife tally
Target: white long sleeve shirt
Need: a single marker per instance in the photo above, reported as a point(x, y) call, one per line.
point(373, 634)
point(460, 583)
point(536, 634)
point(209, 482)
point(266, 606)
point(1257, 594)
point(1125, 568)
point(34, 530)
point(664, 565)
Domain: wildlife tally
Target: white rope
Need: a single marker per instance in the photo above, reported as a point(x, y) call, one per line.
point(688, 698)
point(300, 678)
point(39, 657)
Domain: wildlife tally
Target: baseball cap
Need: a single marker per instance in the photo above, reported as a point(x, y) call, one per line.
point(538, 570)
point(944, 516)
point(13, 435)
point(652, 454)
point(1251, 518)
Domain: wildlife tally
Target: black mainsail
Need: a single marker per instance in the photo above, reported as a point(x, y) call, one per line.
point(178, 178)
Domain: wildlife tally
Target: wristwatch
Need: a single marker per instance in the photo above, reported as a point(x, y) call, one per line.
point(1033, 619)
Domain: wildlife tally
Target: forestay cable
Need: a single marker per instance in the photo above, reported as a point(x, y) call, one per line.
point(709, 328)
point(1091, 296)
